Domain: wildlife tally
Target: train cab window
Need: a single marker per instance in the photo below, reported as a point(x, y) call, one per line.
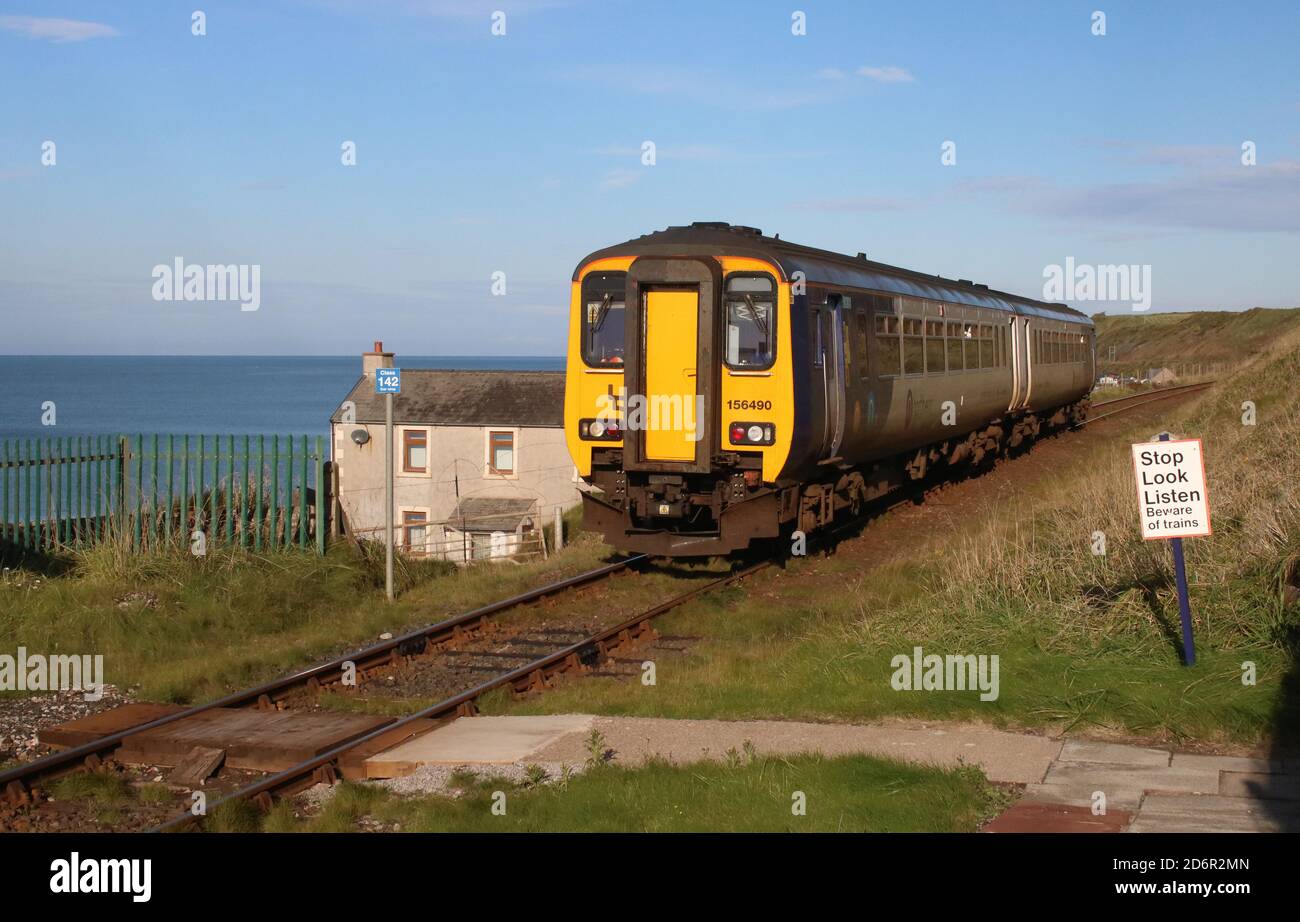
point(934, 360)
point(887, 344)
point(751, 315)
point(913, 347)
point(603, 313)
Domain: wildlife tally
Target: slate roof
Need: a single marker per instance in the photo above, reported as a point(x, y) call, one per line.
point(432, 397)
point(490, 513)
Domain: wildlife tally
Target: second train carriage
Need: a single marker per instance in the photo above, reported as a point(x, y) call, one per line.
point(723, 386)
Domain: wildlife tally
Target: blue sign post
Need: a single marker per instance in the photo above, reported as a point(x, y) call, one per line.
point(1184, 603)
point(388, 381)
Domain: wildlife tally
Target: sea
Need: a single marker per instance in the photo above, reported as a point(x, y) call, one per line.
point(209, 394)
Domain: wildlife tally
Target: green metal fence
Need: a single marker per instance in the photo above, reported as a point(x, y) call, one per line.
point(155, 491)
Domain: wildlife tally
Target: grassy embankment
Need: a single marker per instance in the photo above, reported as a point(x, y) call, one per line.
point(1084, 641)
point(1186, 340)
point(180, 628)
point(745, 794)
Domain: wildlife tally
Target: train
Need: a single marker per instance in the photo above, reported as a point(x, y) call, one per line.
point(724, 387)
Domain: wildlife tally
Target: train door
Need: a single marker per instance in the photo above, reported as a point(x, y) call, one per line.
point(828, 362)
point(670, 356)
point(1020, 363)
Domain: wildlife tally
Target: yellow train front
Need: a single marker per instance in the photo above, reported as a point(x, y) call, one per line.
point(724, 386)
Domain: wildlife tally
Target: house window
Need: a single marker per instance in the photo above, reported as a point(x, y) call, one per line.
point(501, 452)
point(415, 531)
point(415, 451)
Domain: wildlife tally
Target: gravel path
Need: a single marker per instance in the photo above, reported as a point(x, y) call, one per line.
point(23, 718)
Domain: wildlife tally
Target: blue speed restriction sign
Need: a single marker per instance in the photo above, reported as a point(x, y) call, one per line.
point(388, 381)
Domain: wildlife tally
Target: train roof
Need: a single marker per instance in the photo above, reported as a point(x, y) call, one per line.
point(708, 238)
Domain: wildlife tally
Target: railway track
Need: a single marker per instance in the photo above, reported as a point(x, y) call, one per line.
point(1133, 401)
point(532, 676)
point(19, 783)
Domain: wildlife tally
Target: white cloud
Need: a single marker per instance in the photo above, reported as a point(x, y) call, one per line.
point(1252, 199)
point(57, 30)
point(618, 179)
point(887, 74)
point(863, 203)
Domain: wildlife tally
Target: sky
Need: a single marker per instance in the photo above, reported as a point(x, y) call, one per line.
point(519, 153)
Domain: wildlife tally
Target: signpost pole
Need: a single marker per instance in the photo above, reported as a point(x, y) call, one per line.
point(388, 495)
point(1184, 604)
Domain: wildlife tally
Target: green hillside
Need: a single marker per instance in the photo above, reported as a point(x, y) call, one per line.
point(1208, 342)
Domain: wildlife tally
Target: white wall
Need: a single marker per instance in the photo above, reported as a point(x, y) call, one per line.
point(544, 472)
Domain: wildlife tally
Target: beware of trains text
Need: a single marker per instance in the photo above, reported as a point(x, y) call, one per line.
point(1172, 500)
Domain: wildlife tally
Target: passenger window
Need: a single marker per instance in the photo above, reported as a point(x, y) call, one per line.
point(887, 345)
point(970, 346)
point(846, 309)
point(751, 316)
point(986, 346)
point(913, 347)
point(954, 346)
point(602, 328)
point(934, 359)
point(860, 325)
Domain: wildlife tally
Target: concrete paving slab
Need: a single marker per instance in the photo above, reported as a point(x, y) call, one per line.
point(478, 741)
point(1260, 786)
point(1212, 813)
point(1078, 794)
point(1104, 776)
point(1112, 753)
point(1227, 763)
point(1004, 756)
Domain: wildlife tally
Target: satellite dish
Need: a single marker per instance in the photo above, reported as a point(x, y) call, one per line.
point(360, 436)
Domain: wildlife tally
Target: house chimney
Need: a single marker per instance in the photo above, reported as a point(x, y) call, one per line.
point(376, 359)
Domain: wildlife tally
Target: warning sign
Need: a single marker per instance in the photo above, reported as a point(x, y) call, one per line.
point(1172, 502)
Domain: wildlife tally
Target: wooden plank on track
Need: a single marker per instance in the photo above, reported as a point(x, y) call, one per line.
point(115, 720)
point(253, 739)
point(197, 766)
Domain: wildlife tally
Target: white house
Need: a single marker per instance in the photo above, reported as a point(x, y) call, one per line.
point(480, 462)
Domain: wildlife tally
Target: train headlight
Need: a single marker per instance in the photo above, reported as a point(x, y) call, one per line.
point(752, 433)
point(600, 430)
